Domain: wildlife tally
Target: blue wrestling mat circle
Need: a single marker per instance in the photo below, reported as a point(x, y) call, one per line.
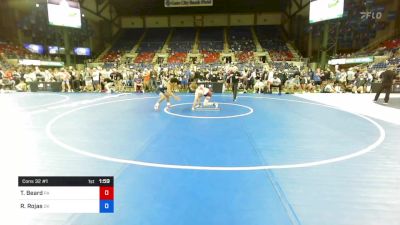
point(227, 111)
point(280, 133)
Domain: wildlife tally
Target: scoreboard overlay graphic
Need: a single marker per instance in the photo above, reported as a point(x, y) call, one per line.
point(66, 194)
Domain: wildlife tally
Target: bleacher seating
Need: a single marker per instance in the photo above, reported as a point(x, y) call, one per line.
point(140, 66)
point(241, 42)
point(284, 66)
point(211, 43)
point(241, 39)
point(182, 40)
point(379, 66)
point(124, 44)
point(111, 56)
point(211, 39)
point(127, 40)
point(272, 41)
point(384, 65)
point(210, 57)
point(392, 44)
point(154, 40)
point(177, 57)
point(394, 61)
point(145, 57)
point(13, 51)
point(181, 43)
point(244, 56)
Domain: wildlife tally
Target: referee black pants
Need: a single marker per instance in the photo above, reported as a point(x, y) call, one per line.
point(387, 89)
point(235, 90)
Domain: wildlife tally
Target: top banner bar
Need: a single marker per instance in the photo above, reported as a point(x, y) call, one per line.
point(187, 3)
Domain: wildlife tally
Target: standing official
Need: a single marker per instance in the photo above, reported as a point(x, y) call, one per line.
point(235, 76)
point(387, 82)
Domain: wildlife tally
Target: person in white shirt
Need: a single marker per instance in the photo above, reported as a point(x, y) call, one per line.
point(252, 79)
point(47, 76)
point(276, 82)
point(106, 73)
point(96, 79)
point(88, 80)
point(201, 92)
point(259, 85)
point(65, 77)
point(269, 80)
point(30, 77)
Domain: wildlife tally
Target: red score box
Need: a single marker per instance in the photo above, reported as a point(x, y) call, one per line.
point(106, 193)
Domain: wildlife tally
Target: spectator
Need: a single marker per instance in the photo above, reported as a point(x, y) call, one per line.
point(65, 79)
point(351, 76)
point(358, 84)
point(21, 86)
point(293, 84)
point(138, 84)
point(259, 85)
point(316, 77)
point(329, 87)
point(368, 84)
point(276, 82)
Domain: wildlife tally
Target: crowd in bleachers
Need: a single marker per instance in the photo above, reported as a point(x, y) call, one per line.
point(257, 78)
point(142, 74)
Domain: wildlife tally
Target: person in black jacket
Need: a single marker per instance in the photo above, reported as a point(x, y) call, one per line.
point(387, 82)
point(235, 75)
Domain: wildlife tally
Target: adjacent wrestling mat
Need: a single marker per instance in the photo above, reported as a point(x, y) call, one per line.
point(262, 160)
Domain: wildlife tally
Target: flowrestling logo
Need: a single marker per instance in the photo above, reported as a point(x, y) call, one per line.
point(371, 15)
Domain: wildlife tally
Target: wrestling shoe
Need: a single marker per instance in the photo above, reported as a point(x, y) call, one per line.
point(156, 106)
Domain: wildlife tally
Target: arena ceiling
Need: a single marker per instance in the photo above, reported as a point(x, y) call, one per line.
point(156, 7)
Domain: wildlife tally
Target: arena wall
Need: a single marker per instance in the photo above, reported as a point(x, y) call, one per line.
point(205, 20)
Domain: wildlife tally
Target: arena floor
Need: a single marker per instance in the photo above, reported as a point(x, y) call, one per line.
point(311, 159)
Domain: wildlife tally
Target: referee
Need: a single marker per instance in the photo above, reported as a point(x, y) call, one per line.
point(387, 82)
point(235, 82)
